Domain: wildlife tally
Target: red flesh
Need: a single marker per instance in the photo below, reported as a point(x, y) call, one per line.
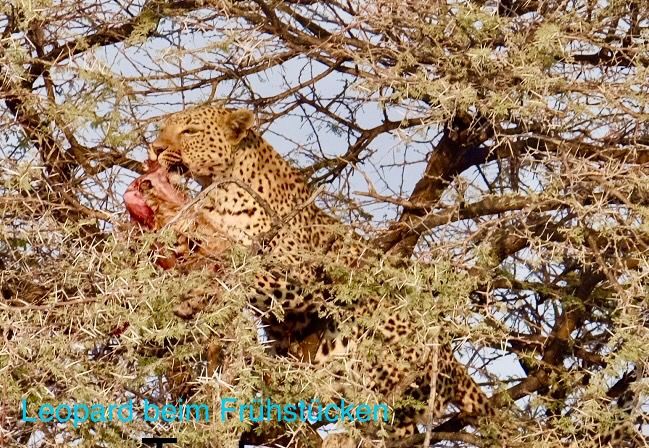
point(161, 187)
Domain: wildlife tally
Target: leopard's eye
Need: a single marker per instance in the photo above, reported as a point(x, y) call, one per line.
point(191, 129)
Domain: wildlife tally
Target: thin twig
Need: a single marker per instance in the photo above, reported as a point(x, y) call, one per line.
point(277, 221)
point(433, 393)
point(264, 238)
point(47, 307)
point(217, 183)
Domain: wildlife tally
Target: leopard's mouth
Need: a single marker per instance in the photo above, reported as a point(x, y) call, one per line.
point(180, 171)
point(170, 160)
point(178, 168)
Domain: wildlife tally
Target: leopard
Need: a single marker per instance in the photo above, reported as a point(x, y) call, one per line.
point(259, 198)
point(257, 189)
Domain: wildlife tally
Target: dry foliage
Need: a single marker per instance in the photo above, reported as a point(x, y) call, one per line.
point(503, 145)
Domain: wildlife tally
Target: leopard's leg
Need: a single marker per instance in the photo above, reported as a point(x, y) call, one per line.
point(452, 385)
point(276, 289)
point(466, 394)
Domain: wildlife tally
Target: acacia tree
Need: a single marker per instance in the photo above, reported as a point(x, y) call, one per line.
point(504, 143)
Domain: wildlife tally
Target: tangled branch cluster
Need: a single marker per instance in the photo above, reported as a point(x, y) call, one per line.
point(504, 140)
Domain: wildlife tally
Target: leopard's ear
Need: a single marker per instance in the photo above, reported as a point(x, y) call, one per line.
point(238, 123)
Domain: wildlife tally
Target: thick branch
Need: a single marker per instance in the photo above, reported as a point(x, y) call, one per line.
point(460, 148)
